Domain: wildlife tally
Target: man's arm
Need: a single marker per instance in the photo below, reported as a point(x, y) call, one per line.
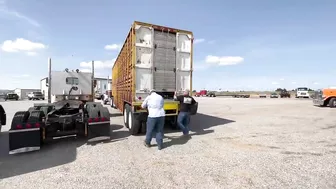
point(144, 103)
point(193, 101)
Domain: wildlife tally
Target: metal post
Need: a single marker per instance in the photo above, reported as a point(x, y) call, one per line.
point(49, 80)
point(92, 81)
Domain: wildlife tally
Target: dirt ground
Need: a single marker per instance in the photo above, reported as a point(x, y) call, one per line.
point(235, 143)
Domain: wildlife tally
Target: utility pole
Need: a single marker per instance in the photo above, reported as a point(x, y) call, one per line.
point(49, 80)
point(92, 82)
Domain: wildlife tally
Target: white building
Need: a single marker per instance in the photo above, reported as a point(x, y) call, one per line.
point(101, 85)
point(23, 93)
point(44, 87)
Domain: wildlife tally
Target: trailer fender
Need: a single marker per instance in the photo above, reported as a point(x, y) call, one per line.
point(25, 135)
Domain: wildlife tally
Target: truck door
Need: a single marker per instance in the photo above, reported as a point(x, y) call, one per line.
point(164, 61)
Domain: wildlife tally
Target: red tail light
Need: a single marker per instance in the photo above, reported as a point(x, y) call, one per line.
point(37, 125)
point(96, 119)
point(139, 98)
point(19, 126)
point(28, 125)
point(89, 120)
point(102, 119)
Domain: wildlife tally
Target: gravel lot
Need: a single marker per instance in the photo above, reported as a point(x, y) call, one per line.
point(236, 143)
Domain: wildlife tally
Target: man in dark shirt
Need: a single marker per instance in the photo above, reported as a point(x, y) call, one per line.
point(183, 119)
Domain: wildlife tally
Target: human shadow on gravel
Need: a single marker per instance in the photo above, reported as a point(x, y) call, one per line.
point(200, 124)
point(54, 153)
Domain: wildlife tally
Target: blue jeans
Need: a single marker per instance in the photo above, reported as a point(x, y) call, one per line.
point(155, 125)
point(183, 121)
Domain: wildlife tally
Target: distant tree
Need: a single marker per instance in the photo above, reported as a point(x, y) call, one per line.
point(194, 91)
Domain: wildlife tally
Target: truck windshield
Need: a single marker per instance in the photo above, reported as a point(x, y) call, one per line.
point(302, 89)
point(72, 81)
point(37, 93)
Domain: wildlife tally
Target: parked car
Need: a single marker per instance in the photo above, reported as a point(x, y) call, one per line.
point(11, 96)
point(35, 96)
point(2, 117)
point(285, 94)
point(274, 95)
point(262, 95)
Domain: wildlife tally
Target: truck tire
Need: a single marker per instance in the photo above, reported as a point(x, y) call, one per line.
point(332, 103)
point(36, 116)
point(134, 125)
point(31, 109)
point(19, 118)
point(104, 113)
point(127, 108)
point(46, 109)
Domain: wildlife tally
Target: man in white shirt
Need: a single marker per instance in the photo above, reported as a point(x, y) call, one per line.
point(156, 118)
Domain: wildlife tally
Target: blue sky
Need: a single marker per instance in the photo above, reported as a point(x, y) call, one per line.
point(267, 44)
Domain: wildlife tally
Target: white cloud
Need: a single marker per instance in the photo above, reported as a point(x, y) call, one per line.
point(224, 60)
point(275, 83)
point(315, 83)
point(21, 76)
point(201, 40)
point(21, 44)
point(6, 11)
point(282, 79)
point(293, 82)
point(113, 47)
point(97, 64)
point(31, 53)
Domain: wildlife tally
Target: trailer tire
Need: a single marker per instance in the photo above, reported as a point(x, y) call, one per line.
point(134, 125)
point(332, 103)
point(19, 118)
point(127, 108)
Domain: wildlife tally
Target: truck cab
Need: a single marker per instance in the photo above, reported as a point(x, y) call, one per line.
point(325, 97)
point(302, 92)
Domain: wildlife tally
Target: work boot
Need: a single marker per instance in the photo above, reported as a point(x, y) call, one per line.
point(147, 145)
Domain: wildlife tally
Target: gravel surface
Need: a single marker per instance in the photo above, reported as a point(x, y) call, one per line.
point(236, 143)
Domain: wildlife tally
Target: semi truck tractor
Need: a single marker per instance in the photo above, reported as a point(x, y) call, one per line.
point(152, 57)
point(325, 97)
point(70, 111)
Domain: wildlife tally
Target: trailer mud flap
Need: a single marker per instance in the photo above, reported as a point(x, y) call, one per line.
point(99, 131)
point(25, 140)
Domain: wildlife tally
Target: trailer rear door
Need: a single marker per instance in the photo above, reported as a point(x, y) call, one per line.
point(164, 61)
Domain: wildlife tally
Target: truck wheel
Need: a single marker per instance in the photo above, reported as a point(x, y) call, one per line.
point(134, 125)
point(36, 116)
point(31, 109)
point(126, 113)
point(19, 118)
point(46, 109)
point(332, 103)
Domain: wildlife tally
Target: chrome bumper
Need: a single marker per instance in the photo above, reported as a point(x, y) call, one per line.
point(318, 102)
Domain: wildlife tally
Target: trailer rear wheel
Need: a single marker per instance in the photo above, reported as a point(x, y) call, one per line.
point(133, 123)
point(126, 114)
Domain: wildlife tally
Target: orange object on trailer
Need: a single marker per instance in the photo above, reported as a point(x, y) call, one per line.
point(152, 57)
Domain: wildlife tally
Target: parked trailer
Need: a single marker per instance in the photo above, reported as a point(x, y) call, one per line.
point(72, 112)
point(152, 57)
